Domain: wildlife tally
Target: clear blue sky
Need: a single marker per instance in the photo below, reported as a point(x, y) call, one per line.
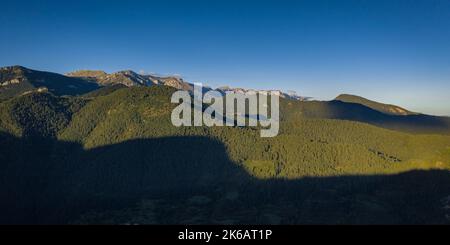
point(392, 51)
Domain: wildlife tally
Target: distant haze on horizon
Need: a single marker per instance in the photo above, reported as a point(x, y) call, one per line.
point(394, 52)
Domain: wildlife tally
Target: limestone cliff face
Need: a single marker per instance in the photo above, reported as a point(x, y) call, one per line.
point(130, 78)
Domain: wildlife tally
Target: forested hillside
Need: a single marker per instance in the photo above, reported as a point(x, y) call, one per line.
point(415, 123)
point(114, 157)
point(304, 144)
point(38, 114)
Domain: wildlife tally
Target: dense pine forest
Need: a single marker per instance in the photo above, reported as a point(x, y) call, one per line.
point(112, 156)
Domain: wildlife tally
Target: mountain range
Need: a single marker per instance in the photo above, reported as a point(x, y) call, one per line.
point(96, 148)
point(16, 80)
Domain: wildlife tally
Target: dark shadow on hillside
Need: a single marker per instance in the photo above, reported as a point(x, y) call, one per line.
point(191, 180)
